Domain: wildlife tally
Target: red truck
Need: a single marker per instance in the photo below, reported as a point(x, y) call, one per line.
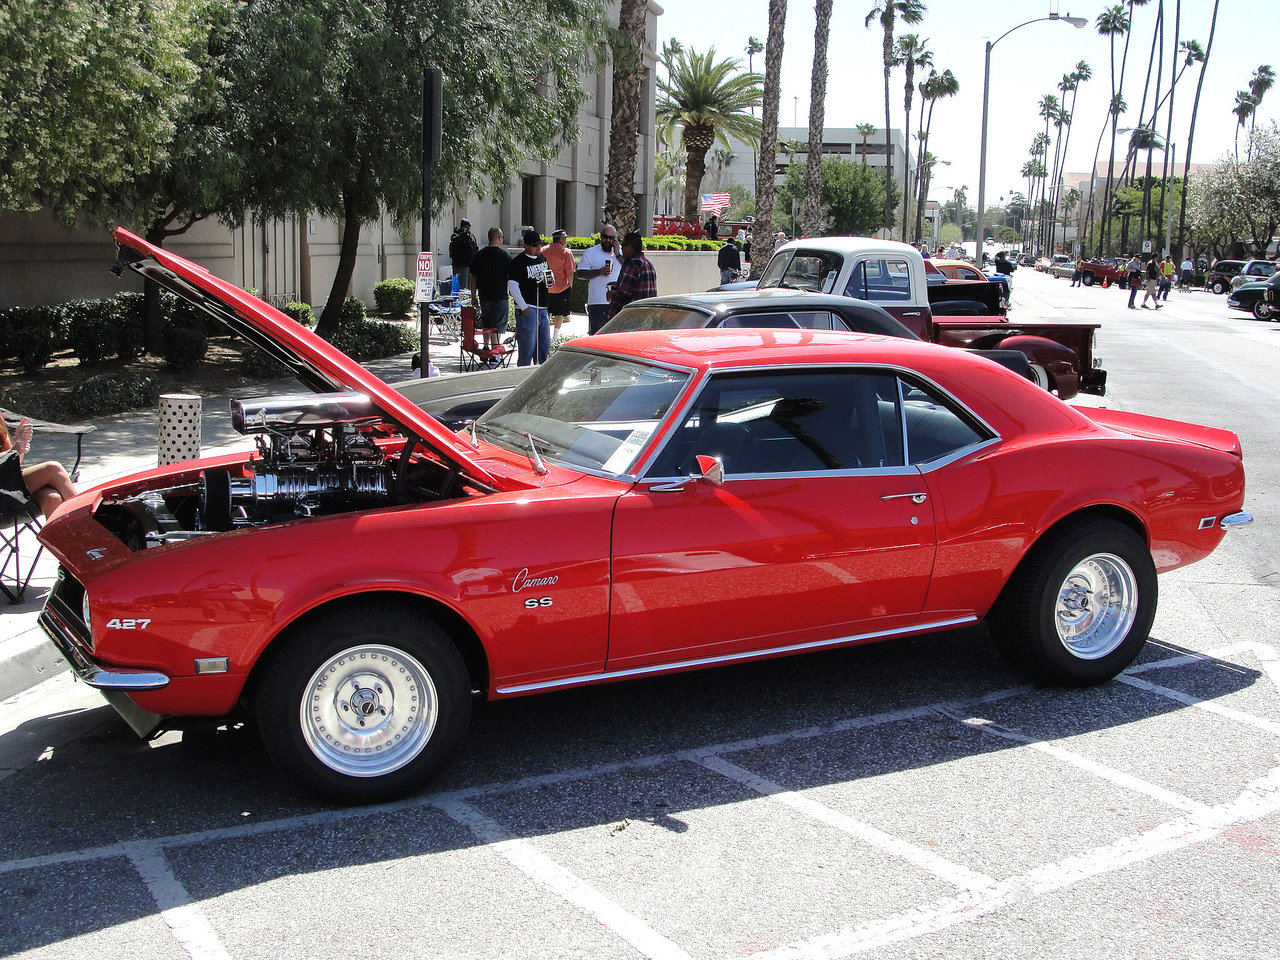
point(972, 315)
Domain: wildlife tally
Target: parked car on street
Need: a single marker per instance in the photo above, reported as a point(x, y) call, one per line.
point(1252, 298)
point(1106, 270)
point(1253, 270)
point(644, 503)
point(1219, 277)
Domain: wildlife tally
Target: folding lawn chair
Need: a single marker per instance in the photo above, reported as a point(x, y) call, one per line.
point(472, 355)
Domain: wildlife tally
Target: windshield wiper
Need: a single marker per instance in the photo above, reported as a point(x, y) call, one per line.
point(539, 465)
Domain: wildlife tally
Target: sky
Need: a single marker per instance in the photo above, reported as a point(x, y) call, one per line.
point(1025, 65)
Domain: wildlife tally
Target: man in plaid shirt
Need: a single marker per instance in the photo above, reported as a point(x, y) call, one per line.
point(637, 279)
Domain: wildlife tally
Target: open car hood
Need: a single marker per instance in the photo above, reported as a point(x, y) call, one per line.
point(319, 365)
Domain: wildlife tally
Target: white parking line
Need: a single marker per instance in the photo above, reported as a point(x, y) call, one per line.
point(545, 872)
point(189, 926)
point(953, 873)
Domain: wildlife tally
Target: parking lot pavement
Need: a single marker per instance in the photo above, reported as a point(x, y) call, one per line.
point(126, 443)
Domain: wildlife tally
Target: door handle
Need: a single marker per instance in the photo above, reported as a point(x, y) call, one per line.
point(915, 497)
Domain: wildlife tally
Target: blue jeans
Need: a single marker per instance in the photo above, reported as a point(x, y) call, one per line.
point(597, 316)
point(533, 335)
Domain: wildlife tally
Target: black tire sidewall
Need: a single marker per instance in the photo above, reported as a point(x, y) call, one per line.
point(287, 673)
point(1262, 310)
point(1087, 279)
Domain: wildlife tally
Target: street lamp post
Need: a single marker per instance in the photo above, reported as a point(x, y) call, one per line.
point(1076, 22)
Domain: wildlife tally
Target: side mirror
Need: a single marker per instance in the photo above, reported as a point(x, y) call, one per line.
point(712, 469)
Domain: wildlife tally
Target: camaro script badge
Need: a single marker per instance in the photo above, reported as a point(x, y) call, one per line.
point(97, 553)
point(523, 581)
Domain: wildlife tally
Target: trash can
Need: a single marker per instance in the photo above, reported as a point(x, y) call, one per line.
point(179, 428)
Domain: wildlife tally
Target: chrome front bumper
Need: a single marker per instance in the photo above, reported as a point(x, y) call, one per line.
point(65, 637)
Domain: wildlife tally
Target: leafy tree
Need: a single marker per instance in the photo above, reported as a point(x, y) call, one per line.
point(852, 196)
point(329, 94)
point(90, 93)
point(624, 125)
point(707, 99)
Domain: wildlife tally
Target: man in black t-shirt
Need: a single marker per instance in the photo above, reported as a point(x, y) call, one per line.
point(488, 285)
point(528, 278)
point(462, 250)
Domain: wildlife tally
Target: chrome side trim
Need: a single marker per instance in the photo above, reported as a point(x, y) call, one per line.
point(92, 673)
point(1236, 520)
point(661, 668)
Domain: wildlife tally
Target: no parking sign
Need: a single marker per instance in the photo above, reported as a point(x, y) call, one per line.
point(426, 286)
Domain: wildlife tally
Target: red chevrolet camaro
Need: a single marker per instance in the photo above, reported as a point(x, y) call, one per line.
point(643, 503)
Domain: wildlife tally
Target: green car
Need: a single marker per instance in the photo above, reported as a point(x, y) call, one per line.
point(1260, 297)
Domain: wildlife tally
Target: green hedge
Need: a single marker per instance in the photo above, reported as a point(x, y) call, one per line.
point(31, 334)
point(374, 339)
point(394, 295)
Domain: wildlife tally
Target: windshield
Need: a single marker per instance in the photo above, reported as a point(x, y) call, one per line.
point(812, 270)
point(585, 410)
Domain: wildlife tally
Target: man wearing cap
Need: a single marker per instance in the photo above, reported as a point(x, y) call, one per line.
point(462, 250)
point(560, 259)
point(637, 279)
point(600, 266)
point(729, 260)
point(527, 280)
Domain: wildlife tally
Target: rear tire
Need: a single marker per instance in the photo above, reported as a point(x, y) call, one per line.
point(1218, 287)
point(364, 704)
point(1080, 606)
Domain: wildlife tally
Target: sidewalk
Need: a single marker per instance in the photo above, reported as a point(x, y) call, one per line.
point(127, 443)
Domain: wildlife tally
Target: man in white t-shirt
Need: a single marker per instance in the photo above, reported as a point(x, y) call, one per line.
point(599, 266)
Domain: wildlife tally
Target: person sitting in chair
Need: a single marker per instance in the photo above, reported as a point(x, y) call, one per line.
point(46, 483)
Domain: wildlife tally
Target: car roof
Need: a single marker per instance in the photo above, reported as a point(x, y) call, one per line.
point(726, 303)
point(847, 245)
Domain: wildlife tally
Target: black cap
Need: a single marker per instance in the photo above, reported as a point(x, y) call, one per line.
point(532, 238)
point(464, 222)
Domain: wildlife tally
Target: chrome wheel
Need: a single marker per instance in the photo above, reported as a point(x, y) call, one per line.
point(368, 710)
point(1096, 606)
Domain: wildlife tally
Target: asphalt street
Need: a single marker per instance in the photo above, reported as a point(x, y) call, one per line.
point(914, 799)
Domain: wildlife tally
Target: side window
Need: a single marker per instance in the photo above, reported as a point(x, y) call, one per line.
point(935, 427)
point(797, 422)
point(881, 280)
point(756, 320)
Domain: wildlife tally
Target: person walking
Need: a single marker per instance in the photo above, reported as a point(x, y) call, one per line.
point(1153, 284)
point(527, 281)
point(462, 251)
point(637, 278)
point(600, 266)
point(1133, 271)
point(560, 259)
point(1166, 276)
point(729, 260)
point(488, 286)
point(1077, 275)
point(1187, 279)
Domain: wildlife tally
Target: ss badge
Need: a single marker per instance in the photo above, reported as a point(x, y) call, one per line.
point(534, 602)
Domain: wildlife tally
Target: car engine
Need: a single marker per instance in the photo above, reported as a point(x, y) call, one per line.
point(317, 454)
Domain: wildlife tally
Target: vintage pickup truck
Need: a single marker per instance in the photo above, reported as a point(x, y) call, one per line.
point(892, 275)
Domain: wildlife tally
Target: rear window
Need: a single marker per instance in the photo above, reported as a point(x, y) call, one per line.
point(633, 318)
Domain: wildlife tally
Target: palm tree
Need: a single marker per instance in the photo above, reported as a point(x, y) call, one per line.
point(624, 126)
point(1111, 23)
point(1048, 109)
point(707, 99)
point(1071, 84)
point(668, 178)
point(753, 47)
point(762, 231)
point(811, 214)
point(938, 85)
point(1263, 79)
point(722, 158)
point(865, 130)
point(887, 12)
point(910, 53)
point(1245, 105)
point(1191, 131)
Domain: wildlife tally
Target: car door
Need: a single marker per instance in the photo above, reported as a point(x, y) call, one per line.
point(819, 532)
point(886, 282)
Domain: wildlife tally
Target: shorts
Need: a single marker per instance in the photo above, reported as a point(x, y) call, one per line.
point(558, 303)
point(494, 315)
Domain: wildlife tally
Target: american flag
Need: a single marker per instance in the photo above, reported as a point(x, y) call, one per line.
point(715, 202)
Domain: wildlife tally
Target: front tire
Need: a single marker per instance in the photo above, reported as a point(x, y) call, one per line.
point(1080, 606)
point(1263, 310)
point(1087, 279)
point(365, 704)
